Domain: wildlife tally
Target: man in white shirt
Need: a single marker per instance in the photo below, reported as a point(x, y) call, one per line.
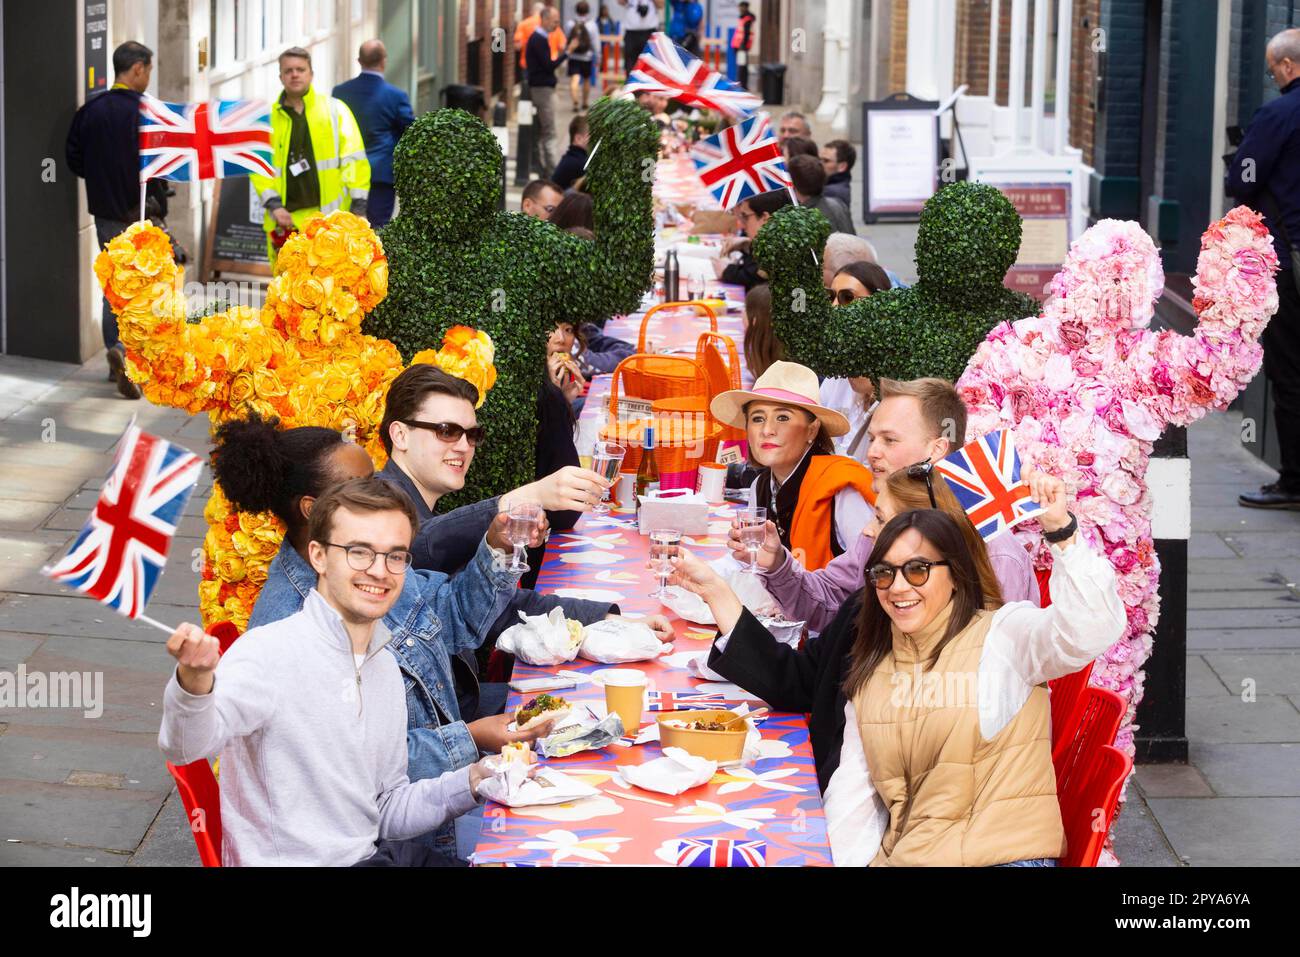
point(640, 20)
point(308, 713)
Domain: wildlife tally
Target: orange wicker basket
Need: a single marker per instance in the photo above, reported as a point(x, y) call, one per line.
point(683, 426)
point(723, 374)
point(692, 304)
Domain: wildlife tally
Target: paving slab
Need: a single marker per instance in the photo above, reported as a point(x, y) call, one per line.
point(1272, 673)
point(169, 842)
point(1280, 598)
point(1138, 840)
point(1202, 679)
point(62, 814)
point(1287, 615)
point(1231, 519)
point(67, 755)
point(15, 647)
point(1200, 545)
point(1229, 720)
point(1241, 639)
point(26, 854)
point(72, 614)
point(20, 515)
point(1230, 832)
point(1250, 770)
point(1265, 572)
point(1172, 780)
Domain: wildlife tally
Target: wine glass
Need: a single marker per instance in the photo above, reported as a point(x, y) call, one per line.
point(695, 288)
point(522, 520)
point(664, 543)
point(752, 522)
point(606, 460)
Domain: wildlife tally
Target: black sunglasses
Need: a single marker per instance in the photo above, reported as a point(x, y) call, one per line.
point(842, 296)
point(449, 431)
point(924, 470)
point(915, 570)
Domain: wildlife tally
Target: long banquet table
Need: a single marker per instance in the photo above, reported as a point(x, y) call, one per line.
point(775, 800)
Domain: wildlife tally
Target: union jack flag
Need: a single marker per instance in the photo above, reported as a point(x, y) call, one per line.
point(122, 549)
point(190, 141)
point(681, 701)
point(666, 68)
point(985, 477)
point(741, 161)
point(720, 852)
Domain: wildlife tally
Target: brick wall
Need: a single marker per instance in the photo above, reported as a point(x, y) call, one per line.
point(972, 47)
point(1081, 36)
point(898, 47)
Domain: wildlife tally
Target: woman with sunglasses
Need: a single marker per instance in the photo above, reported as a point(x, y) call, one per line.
point(853, 398)
point(819, 501)
point(817, 596)
point(929, 720)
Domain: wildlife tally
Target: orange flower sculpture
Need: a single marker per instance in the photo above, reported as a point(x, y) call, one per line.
point(302, 358)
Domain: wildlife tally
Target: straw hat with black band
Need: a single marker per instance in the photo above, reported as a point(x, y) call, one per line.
point(784, 383)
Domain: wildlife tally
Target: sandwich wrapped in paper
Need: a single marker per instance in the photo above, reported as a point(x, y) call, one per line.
point(510, 785)
point(579, 737)
point(617, 640)
point(548, 639)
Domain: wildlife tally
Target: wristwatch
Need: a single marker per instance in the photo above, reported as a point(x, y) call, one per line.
point(1062, 534)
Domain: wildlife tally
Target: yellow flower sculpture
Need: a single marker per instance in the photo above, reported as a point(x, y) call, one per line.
point(301, 358)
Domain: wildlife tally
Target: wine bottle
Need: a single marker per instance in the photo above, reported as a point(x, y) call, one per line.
point(647, 473)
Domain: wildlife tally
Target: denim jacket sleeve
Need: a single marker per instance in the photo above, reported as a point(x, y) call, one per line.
point(434, 751)
point(471, 601)
point(446, 543)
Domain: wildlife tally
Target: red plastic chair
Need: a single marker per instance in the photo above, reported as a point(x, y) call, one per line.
point(1089, 810)
point(198, 785)
point(1067, 693)
point(199, 793)
point(1096, 723)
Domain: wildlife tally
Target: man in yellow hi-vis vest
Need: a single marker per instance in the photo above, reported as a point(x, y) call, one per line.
point(318, 154)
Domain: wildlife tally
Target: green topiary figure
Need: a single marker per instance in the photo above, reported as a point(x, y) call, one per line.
point(968, 239)
point(455, 259)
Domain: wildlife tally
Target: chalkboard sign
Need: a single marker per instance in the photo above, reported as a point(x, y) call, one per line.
point(236, 240)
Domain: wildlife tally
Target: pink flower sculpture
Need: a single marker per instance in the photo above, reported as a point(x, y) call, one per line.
point(1087, 388)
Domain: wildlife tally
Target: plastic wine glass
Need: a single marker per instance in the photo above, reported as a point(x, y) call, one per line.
point(753, 527)
point(695, 288)
point(664, 543)
point(606, 461)
point(522, 521)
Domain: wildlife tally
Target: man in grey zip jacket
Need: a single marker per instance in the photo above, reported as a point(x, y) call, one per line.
point(307, 713)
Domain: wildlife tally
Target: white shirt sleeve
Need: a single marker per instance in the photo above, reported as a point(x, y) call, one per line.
point(856, 817)
point(1027, 646)
point(852, 515)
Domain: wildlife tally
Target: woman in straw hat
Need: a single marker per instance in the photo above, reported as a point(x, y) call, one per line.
point(818, 500)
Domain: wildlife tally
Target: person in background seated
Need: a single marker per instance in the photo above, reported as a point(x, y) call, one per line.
point(853, 397)
point(540, 198)
point(818, 500)
point(575, 210)
point(574, 160)
point(762, 347)
point(750, 215)
point(924, 683)
point(809, 179)
point(798, 146)
point(838, 157)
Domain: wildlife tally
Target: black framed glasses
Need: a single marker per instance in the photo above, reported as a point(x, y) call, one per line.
point(924, 470)
point(361, 557)
point(916, 571)
point(841, 297)
point(449, 431)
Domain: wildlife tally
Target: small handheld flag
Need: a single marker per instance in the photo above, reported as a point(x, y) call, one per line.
point(720, 852)
point(984, 475)
point(120, 552)
point(666, 68)
point(741, 161)
point(193, 141)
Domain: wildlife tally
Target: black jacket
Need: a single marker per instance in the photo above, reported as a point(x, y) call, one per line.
point(1265, 172)
point(744, 273)
point(570, 166)
point(809, 681)
point(103, 148)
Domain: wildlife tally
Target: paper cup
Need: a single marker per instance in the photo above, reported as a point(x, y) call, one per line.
point(625, 693)
point(625, 490)
point(712, 481)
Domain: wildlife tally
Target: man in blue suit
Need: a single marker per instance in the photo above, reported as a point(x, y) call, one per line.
point(383, 112)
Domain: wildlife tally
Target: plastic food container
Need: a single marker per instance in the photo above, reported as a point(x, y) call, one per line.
point(720, 746)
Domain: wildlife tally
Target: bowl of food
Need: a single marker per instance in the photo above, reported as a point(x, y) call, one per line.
point(700, 732)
